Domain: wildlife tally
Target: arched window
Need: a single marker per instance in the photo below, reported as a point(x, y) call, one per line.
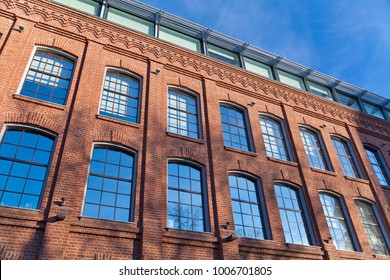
point(25, 156)
point(121, 96)
point(49, 76)
point(372, 227)
point(248, 207)
point(313, 148)
point(337, 222)
point(110, 186)
point(378, 165)
point(234, 127)
point(183, 113)
point(186, 201)
point(345, 156)
point(274, 138)
point(295, 225)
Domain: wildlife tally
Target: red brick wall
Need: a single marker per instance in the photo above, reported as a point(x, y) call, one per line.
point(97, 45)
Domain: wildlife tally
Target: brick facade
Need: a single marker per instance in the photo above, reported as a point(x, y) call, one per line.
point(96, 45)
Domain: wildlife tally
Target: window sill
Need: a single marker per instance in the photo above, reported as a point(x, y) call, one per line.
point(253, 154)
point(327, 172)
point(40, 102)
point(189, 235)
point(199, 141)
point(357, 179)
point(110, 225)
point(114, 120)
point(283, 161)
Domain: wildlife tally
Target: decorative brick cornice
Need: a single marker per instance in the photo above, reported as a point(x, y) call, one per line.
point(108, 33)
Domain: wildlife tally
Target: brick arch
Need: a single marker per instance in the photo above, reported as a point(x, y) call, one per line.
point(33, 118)
point(125, 65)
point(58, 43)
point(186, 153)
point(117, 137)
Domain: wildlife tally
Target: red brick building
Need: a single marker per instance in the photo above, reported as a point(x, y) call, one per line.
point(127, 133)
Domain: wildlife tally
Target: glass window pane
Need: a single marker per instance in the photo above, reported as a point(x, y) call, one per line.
point(223, 55)
point(378, 166)
point(291, 80)
point(180, 39)
point(320, 90)
point(313, 149)
point(130, 21)
point(258, 67)
point(88, 6)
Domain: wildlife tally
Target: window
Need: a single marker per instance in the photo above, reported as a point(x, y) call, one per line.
point(337, 223)
point(24, 162)
point(313, 149)
point(180, 39)
point(48, 77)
point(223, 55)
point(88, 6)
point(120, 97)
point(373, 110)
point(258, 67)
point(234, 128)
point(274, 139)
point(110, 184)
point(182, 114)
point(247, 211)
point(130, 21)
point(291, 80)
point(185, 197)
point(346, 159)
point(372, 228)
point(378, 166)
point(320, 90)
point(291, 214)
point(349, 101)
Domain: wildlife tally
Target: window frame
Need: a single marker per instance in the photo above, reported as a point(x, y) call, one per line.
point(283, 129)
point(352, 154)
point(381, 160)
point(131, 75)
point(261, 203)
point(248, 131)
point(323, 150)
point(304, 209)
point(49, 50)
point(45, 132)
point(196, 96)
point(134, 179)
point(379, 223)
point(347, 218)
point(204, 194)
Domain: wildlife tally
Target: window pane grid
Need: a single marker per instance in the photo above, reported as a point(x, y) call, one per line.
point(182, 114)
point(313, 149)
point(24, 160)
point(234, 128)
point(371, 228)
point(185, 198)
point(292, 215)
point(345, 158)
point(120, 97)
point(48, 78)
point(378, 167)
point(109, 187)
point(273, 138)
point(337, 224)
point(248, 220)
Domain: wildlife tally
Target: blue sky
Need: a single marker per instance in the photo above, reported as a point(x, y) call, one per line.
point(345, 39)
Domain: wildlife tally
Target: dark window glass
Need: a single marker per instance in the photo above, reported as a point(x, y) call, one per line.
point(345, 158)
point(110, 184)
point(234, 128)
point(349, 101)
point(337, 223)
point(24, 162)
point(185, 197)
point(291, 214)
point(120, 98)
point(274, 140)
point(371, 227)
point(48, 77)
point(182, 114)
point(378, 166)
point(313, 149)
point(248, 220)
